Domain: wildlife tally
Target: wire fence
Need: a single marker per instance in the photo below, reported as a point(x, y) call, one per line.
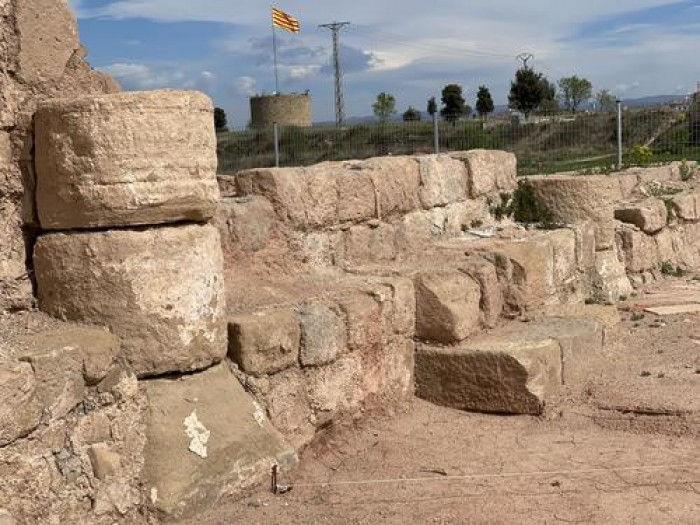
point(543, 143)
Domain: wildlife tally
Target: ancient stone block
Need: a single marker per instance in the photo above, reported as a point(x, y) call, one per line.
point(265, 342)
point(285, 188)
point(443, 180)
point(650, 215)
point(323, 334)
point(321, 202)
point(357, 200)
point(495, 375)
point(206, 438)
point(687, 206)
point(15, 285)
point(484, 272)
point(159, 290)
point(366, 244)
point(609, 279)
point(245, 223)
point(564, 264)
point(335, 388)
point(640, 250)
point(571, 199)
point(489, 171)
point(365, 324)
point(396, 181)
point(48, 38)
point(105, 462)
point(447, 306)
point(125, 159)
point(20, 409)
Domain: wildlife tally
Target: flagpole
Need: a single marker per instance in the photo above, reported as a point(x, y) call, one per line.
point(274, 52)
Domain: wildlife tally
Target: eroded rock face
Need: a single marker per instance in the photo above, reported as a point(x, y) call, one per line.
point(159, 290)
point(206, 438)
point(20, 410)
point(125, 159)
point(650, 215)
point(489, 171)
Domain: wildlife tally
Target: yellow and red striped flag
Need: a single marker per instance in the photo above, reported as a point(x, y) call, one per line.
point(284, 21)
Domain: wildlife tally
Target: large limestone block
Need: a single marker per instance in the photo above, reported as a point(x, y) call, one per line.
point(443, 180)
point(571, 199)
point(335, 389)
point(47, 37)
point(447, 306)
point(125, 159)
point(489, 171)
point(484, 272)
point(367, 244)
point(159, 290)
point(15, 285)
point(265, 342)
point(206, 438)
point(357, 200)
point(494, 375)
point(609, 280)
point(396, 181)
point(245, 223)
point(20, 408)
point(687, 207)
point(650, 215)
point(640, 250)
point(323, 334)
point(65, 361)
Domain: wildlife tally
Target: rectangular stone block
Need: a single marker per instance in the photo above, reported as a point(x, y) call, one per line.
point(489, 171)
point(265, 342)
point(125, 159)
point(323, 334)
point(245, 223)
point(396, 181)
point(368, 244)
point(443, 180)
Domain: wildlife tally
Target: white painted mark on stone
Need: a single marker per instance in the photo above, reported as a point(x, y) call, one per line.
point(198, 434)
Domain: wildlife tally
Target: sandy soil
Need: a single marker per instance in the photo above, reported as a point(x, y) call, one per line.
point(624, 448)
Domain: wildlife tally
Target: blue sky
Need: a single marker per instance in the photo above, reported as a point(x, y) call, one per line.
point(410, 48)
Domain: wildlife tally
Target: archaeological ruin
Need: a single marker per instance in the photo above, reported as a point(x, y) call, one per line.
point(167, 336)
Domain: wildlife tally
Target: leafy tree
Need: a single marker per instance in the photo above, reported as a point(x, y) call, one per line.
point(453, 104)
point(432, 106)
point(529, 90)
point(606, 101)
point(484, 102)
point(384, 107)
point(220, 120)
point(575, 91)
point(411, 115)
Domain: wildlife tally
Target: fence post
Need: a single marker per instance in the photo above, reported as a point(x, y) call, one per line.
point(275, 128)
point(619, 134)
point(436, 133)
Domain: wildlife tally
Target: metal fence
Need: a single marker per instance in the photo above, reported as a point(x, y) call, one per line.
point(542, 143)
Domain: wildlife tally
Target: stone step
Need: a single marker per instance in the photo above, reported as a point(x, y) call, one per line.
point(512, 371)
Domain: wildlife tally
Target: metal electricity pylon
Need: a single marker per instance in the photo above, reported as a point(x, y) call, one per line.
point(335, 28)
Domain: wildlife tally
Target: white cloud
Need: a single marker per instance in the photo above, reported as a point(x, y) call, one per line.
point(246, 86)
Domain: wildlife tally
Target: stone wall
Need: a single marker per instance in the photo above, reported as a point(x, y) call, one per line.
point(40, 57)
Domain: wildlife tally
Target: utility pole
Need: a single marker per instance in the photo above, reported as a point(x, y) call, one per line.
point(335, 28)
point(525, 58)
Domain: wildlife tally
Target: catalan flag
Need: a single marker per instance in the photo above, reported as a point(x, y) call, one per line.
point(284, 21)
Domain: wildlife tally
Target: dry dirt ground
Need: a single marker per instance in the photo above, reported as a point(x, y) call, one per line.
point(623, 448)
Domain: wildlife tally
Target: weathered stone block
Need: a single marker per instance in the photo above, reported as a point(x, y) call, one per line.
point(265, 342)
point(160, 291)
point(245, 223)
point(357, 200)
point(443, 180)
point(447, 306)
point(20, 409)
point(105, 462)
point(336, 388)
point(687, 207)
point(571, 199)
point(15, 285)
point(640, 251)
point(502, 376)
point(285, 188)
point(396, 181)
point(206, 438)
point(125, 159)
point(65, 361)
point(484, 272)
point(323, 334)
point(365, 244)
point(609, 279)
point(650, 215)
point(489, 171)
point(366, 330)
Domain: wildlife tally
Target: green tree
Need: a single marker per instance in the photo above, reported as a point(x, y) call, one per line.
point(453, 104)
point(529, 90)
point(484, 102)
point(575, 91)
point(432, 106)
point(384, 107)
point(220, 120)
point(411, 115)
point(606, 101)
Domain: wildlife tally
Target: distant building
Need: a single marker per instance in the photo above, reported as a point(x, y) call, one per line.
point(286, 110)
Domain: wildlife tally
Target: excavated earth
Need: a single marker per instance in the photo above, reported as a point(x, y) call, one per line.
point(622, 449)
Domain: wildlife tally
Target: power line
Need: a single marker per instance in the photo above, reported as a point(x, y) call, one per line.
point(335, 28)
